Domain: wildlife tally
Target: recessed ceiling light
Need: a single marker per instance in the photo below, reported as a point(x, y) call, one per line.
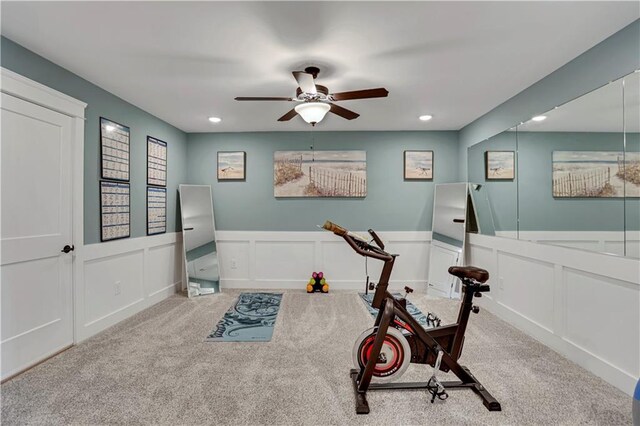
point(215, 119)
point(539, 118)
point(425, 117)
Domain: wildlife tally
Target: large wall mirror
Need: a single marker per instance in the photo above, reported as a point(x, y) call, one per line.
point(199, 240)
point(570, 163)
point(631, 86)
point(576, 175)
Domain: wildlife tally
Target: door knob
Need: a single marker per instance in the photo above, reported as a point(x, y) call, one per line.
point(67, 248)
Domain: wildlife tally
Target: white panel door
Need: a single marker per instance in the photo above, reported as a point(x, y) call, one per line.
point(36, 287)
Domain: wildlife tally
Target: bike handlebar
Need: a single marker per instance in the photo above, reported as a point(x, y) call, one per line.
point(357, 243)
point(376, 238)
point(336, 229)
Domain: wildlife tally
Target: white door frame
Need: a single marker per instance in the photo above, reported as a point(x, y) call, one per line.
point(21, 87)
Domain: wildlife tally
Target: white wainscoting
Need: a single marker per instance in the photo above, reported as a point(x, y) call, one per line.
point(285, 260)
point(582, 304)
point(121, 278)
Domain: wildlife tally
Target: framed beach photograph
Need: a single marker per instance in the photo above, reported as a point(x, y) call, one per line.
point(418, 165)
point(499, 165)
point(320, 174)
point(595, 174)
point(232, 165)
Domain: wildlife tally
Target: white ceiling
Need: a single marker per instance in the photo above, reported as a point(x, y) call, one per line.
point(607, 109)
point(186, 61)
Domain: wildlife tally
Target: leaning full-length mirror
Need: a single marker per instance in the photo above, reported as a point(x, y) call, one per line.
point(448, 237)
point(482, 209)
point(571, 188)
point(199, 240)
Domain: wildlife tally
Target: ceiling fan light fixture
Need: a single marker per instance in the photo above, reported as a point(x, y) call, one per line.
point(312, 112)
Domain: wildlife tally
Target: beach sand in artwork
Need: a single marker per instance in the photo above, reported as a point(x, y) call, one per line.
point(418, 173)
point(501, 174)
point(231, 173)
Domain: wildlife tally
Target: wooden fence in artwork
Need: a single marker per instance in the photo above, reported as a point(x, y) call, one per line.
point(295, 162)
point(334, 183)
point(286, 170)
point(621, 164)
point(585, 184)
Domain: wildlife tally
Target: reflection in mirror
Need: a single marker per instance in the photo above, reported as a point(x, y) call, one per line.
point(570, 159)
point(482, 209)
point(449, 212)
point(198, 236)
point(632, 164)
point(491, 163)
point(448, 237)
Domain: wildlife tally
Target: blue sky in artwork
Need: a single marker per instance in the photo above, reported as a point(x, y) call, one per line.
point(502, 160)
point(230, 159)
point(419, 160)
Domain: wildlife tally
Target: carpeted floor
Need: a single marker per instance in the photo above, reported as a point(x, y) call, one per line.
point(156, 368)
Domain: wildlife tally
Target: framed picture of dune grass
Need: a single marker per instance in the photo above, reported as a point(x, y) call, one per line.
point(418, 165)
point(340, 174)
point(499, 165)
point(595, 174)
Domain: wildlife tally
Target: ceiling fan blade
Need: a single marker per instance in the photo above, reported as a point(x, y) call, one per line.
point(380, 92)
point(305, 82)
point(343, 112)
point(251, 98)
point(288, 116)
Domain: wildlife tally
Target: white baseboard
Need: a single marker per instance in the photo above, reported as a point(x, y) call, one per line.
point(334, 285)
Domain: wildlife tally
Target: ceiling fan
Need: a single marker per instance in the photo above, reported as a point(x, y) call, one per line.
point(314, 100)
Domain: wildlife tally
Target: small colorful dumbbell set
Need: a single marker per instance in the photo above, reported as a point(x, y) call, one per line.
point(317, 282)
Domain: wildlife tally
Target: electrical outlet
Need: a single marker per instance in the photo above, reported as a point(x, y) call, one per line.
point(117, 288)
point(234, 264)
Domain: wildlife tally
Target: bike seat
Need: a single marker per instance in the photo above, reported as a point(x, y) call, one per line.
point(469, 272)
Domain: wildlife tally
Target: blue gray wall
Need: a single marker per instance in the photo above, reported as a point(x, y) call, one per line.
point(390, 204)
point(102, 103)
point(609, 60)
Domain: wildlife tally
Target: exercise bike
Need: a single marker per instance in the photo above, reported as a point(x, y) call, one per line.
point(384, 352)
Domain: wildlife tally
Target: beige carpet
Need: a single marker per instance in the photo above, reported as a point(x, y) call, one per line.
point(156, 368)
